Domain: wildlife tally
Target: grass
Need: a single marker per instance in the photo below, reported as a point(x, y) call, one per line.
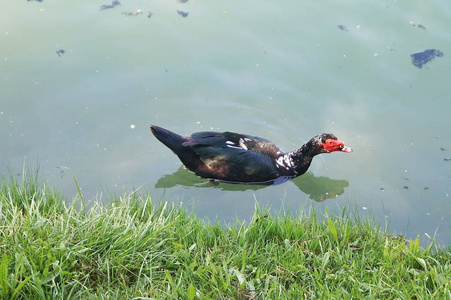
point(134, 249)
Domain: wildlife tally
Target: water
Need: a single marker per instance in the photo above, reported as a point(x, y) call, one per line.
point(283, 72)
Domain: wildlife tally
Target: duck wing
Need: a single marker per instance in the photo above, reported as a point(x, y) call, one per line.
point(234, 157)
point(239, 141)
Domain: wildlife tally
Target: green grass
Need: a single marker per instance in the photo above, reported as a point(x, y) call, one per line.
point(134, 249)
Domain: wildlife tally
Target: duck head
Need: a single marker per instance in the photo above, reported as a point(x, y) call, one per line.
point(330, 143)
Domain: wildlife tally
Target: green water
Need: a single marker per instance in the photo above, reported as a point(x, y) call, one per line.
point(282, 71)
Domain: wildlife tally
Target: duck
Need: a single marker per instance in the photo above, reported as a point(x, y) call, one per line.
point(240, 158)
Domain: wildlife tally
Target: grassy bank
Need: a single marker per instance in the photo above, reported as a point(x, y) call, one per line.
point(133, 249)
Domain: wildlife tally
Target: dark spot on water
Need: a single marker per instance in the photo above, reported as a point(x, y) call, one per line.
point(447, 159)
point(382, 189)
point(149, 15)
point(426, 188)
point(107, 6)
point(406, 187)
point(442, 149)
point(59, 52)
point(419, 25)
point(421, 58)
point(342, 27)
point(183, 13)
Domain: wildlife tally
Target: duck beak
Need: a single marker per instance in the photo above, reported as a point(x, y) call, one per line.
point(346, 149)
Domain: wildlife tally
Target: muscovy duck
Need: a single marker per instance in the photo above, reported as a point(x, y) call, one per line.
point(239, 158)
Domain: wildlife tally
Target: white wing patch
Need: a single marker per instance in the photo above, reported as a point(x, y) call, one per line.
point(231, 144)
point(242, 144)
point(285, 161)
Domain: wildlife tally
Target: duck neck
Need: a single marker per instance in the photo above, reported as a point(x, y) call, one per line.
point(302, 157)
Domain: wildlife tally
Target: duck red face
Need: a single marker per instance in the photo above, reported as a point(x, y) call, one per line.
point(331, 145)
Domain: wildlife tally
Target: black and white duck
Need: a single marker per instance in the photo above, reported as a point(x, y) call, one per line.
point(240, 158)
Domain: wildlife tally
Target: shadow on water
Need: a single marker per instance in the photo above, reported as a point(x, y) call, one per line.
point(317, 188)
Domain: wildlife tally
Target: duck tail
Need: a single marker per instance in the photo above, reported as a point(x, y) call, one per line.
point(172, 140)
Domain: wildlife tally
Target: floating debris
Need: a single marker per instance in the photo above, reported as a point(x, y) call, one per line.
point(107, 6)
point(182, 1)
point(442, 149)
point(133, 13)
point(426, 188)
point(149, 15)
point(418, 25)
point(59, 52)
point(62, 169)
point(35, 0)
point(183, 13)
point(406, 187)
point(342, 27)
point(421, 58)
point(447, 159)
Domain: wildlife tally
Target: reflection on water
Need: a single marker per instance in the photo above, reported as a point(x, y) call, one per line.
point(317, 188)
point(320, 188)
point(181, 177)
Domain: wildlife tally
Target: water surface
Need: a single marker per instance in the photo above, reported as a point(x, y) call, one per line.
point(285, 72)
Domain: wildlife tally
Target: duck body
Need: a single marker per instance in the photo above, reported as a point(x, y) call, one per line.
point(240, 158)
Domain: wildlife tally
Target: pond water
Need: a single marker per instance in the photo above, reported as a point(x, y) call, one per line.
point(285, 72)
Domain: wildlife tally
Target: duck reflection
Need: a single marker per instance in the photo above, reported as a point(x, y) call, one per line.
point(317, 188)
point(320, 188)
